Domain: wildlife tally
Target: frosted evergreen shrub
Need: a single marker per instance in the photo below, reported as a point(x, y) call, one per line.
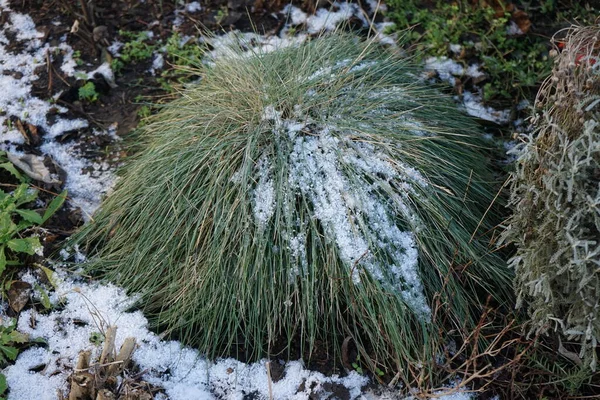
point(556, 199)
point(305, 196)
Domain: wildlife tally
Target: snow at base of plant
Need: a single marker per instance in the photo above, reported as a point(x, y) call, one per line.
point(474, 106)
point(87, 309)
point(90, 308)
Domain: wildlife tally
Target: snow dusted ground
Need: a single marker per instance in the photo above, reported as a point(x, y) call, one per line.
point(18, 69)
point(448, 70)
point(184, 374)
point(89, 308)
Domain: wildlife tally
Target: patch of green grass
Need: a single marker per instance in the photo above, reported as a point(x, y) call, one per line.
point(515, 64)
point(311, 194)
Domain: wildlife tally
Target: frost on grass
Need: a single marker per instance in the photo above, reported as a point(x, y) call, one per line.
point(42, 372)
point(17, 74)
point(345, 181)
point(264, 193)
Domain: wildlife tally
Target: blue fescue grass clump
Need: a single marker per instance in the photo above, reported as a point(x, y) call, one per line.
point(311, 194)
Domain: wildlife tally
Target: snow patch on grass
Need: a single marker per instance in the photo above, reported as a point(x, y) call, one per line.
point(350, 207)
point(327, 20)
point(296, 15)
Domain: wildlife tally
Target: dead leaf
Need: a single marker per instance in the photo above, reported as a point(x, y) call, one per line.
point(100, 33)
point(522, 20)
point(75, 27)
point(29, 132)
point(33, 134)
point(574, 357)
point(19, 295)
point(32, 166)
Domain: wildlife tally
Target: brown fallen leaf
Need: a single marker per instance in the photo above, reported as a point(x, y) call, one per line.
point(29, 132)
point(33, 134)
point(18, 294)
point(33, 166)
point(522, 20)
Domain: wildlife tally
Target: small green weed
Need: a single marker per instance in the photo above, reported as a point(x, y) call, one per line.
point(357, 365)
point(186, 56)
point(10, 338)
point(222, 13)
point(96, 338)
point(88, 92)
point(77, 58)
point(144, 112)
point(117, 65)
point(137, 47)
point(3, 387)
point(15, 219)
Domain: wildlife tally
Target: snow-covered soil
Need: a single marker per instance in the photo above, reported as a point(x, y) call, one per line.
point(18, 69)
point(85, 308)
point(90, 308)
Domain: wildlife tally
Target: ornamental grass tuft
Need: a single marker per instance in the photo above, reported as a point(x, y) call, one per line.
point(302, 197)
